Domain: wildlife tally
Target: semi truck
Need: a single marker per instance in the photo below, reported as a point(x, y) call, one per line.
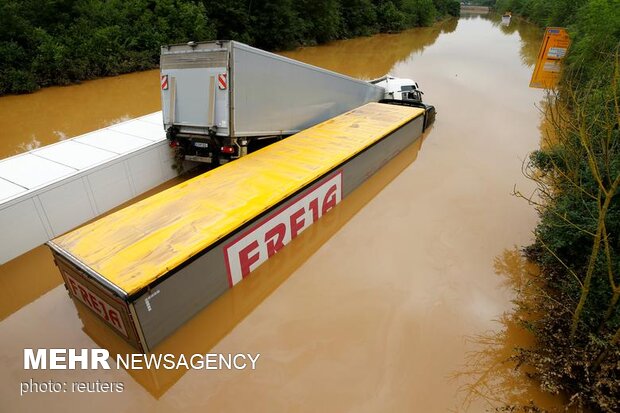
point(222, 99)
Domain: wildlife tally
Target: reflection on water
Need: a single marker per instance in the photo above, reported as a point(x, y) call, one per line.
point(372, 57)
point(366, 311)
point(531, 36)
point(491, 373)
point(25, 279)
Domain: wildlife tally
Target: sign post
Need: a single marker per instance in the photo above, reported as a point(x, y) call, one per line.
point(552, 51)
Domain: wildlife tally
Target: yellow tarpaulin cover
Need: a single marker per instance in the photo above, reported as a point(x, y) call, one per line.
point(136, 245)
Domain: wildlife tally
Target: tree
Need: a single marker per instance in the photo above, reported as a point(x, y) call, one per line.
point(390, 19)
point(420, 12)
point(321, 19)
point(46, 42)
point(275, 24)
point(232, 19)
point(359, 18)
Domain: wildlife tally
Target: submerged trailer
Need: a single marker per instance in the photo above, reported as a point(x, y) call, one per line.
point(146, 269)
point(219, 98)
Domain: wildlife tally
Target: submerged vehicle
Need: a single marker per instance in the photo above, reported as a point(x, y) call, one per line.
point(404, 92)
point(148, 268)
point(220, 98)
point(399, 89)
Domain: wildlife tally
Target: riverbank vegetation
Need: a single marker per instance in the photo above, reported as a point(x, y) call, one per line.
point(573, 306)
point(58, 42)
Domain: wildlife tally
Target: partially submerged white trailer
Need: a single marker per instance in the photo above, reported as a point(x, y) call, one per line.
point(50, 190)
point(219, 98)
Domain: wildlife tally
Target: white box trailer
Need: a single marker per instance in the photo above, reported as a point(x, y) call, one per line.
point(219, 97)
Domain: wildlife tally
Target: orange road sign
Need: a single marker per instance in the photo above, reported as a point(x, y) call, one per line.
point(552, 51)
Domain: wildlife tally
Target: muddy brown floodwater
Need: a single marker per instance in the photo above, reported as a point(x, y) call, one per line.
point(376, 307)
point(55, 113)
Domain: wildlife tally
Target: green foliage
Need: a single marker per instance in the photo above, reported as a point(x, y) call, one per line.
point(577, 242)
point(562, 365)
point(57, 42)
point(421, 12)
point(275, 24)
point(447, 7)
point(390, 18)
point(595, 34)
point(544, 12)
point(322, 20)
point(454, 8)
point(359, 18)
point(63, 41)
point(231, 18)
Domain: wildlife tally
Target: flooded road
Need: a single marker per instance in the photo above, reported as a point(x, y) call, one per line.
point(56, 113)
point(374, 308)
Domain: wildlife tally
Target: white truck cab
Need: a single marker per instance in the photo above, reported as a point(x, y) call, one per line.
point(397, 88)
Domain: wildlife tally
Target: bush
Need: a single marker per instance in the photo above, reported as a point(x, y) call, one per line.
point(51, 42)
point(359, 18)
point(575, 315)
point(577, 322)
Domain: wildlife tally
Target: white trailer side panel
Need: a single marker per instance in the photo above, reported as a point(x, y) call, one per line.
point(275, 95)
point(52, 189)
point(237, 91)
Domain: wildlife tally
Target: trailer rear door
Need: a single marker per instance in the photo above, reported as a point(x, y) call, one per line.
point(195, 85)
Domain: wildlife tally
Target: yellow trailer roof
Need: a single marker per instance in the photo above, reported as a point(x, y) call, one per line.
point(138, 244)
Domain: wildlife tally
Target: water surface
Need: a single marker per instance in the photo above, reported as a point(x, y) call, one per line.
point(377, 306)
